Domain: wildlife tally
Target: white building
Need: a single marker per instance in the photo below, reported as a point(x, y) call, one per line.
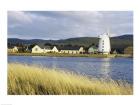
point(44, 49)
point(13, 49)
point(72, 50)
point(92, 49)
point(54, 49)
point(37, 49)
point(104, 44)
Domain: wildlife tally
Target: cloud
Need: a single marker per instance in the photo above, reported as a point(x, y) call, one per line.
point(66, 24)
point(19, 17)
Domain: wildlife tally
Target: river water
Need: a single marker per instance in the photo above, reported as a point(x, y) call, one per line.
point(106, 68)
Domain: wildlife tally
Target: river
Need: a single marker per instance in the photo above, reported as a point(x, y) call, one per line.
point(106, 68)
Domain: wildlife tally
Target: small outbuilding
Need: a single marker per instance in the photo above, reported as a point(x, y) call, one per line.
point(13, 49)
point(92, 50)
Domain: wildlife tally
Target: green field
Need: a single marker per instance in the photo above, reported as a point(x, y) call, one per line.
point(33, 80)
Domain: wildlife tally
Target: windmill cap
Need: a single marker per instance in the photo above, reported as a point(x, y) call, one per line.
point(104, 35)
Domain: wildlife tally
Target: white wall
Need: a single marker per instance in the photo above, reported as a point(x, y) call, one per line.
point(37, 49)
point(55, 49)
point(104, 44)
point(81, 49)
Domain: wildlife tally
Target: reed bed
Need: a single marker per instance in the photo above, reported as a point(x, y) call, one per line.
point(33, 80)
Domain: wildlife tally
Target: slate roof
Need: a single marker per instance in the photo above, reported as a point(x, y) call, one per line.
point(60, 47)
point(94, 47)
point(69, 48)
point(46, 47)
point(11, 47)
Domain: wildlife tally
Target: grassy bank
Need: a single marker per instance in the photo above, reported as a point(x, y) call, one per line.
point(125, 55)
point(31, 80)
point(62, 55)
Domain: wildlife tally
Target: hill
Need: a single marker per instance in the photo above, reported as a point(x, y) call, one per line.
point(118, 42)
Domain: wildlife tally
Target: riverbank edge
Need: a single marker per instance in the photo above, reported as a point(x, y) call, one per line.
point(72, 55)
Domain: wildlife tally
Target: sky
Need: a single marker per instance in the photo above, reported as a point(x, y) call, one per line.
point(54, 25)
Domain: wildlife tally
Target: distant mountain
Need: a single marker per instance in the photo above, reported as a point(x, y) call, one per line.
point(121, 42)
point(118, 42)
point(24, 41)
point(126, 36)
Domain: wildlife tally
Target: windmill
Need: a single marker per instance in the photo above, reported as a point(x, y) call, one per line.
point(104, 46)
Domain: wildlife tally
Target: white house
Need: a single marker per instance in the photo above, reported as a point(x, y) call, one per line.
point(13, 49)
point(104, 44)
point(44, 49)
point(37, 49)
point(54, 49)
point(72, 49)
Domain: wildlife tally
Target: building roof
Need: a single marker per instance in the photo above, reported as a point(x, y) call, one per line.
point(46, 47)
point(69, 48)
point(60, 47)
point(94, 47)
point(11, 47)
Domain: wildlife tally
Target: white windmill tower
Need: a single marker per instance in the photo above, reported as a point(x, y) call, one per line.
point(104, 43)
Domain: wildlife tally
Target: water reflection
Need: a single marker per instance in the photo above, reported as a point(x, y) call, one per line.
point(105, 67)
point(54, 63)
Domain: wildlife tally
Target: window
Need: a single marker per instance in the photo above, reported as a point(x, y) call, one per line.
point(103, 42)
point(36, 49)
point(102, 50)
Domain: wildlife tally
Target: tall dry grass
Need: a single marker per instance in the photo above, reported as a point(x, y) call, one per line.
point(33, 80)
